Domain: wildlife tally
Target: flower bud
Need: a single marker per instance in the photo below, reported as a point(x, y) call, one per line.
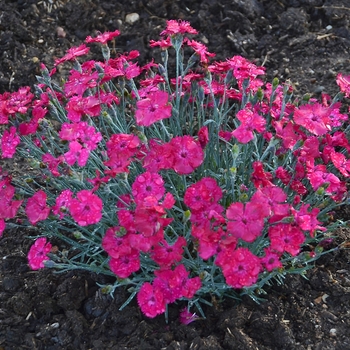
point(275, 83)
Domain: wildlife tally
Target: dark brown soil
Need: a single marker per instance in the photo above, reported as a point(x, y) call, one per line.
point(306, 41)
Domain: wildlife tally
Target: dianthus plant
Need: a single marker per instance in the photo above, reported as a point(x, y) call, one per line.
point(189, 179)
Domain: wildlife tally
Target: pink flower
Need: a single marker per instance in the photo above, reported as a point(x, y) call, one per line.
point(79, 82)
point(307, 220)
point(103, 38)
point(8, 207)
point(123, 145)
point(175, 283)
point(203, 136)
point(286, 238)
point(166, 255)
point(78, 106)
point(86, 209)
point(186, 317)
point(52, 163)
point(9, 142)
point(288, 133)
point(62, 203)
point(115, 243)
point(19, 101)
point(200, 49)
point(36, 208)
point(178, 27)
point(319, 176)
point(249, 121)
point(73, 53)
point(343, 82)
point(163, 44)
point(31, 127)
point(259, 177)
point(202, 194)
point(341, 163)
point(274, 199)
point(77, 153)
point(188, 154)
point(241, 267)
point(271, 260)
point(244, 69)
point(151, 300)
point(313, 117)
point(148, 184)
point(37, 254)
point(159, 156)
point(124, 265)
point(246, 221)
point(150, 219)
point(153, 108)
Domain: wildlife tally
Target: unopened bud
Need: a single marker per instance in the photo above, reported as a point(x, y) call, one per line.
point(187, 215)
point(77, 235)
point(275, 83)
point(320, 191)
point(260, 94)
point(243, 198)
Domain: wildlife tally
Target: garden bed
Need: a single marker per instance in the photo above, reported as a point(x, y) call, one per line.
point(305, 41)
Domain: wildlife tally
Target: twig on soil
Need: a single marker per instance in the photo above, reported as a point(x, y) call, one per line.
point(333, 7)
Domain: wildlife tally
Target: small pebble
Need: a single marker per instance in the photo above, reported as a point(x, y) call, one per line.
point(131, 18)
point(333, 332)
point(40, 41)
point(60, 32)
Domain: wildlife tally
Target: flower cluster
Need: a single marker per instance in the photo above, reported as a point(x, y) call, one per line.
point(208, 182)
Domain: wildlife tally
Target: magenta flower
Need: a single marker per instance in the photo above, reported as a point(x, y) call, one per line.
point(271, 260)
point(78, 106)
point(52, 163)
point(202, 194)
point(200, 49)
point(241, 267)
point(315, 118)
point(79, 82)
point(159, 156)
point(186, 317)
point(166, 255)
point(30, 127)
point(123, 146)
point(8, 207)
point(36, 208)
point(286, 238)
point(188, 154)
point(125, 265)
point(151, 300)
point(178, 27)
point(153, 108)
point(103, 38)
point(341, 162)
point(9, 142)
point(319, 176)
point(115, 244)
point(343, 82)
point(246, 221)
point(86, 209)
point(73, 53)
point(250, 121)
point(175, 284)
point(77, 153)
point(62, 203)
point(148, 184)
point(38, 253)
